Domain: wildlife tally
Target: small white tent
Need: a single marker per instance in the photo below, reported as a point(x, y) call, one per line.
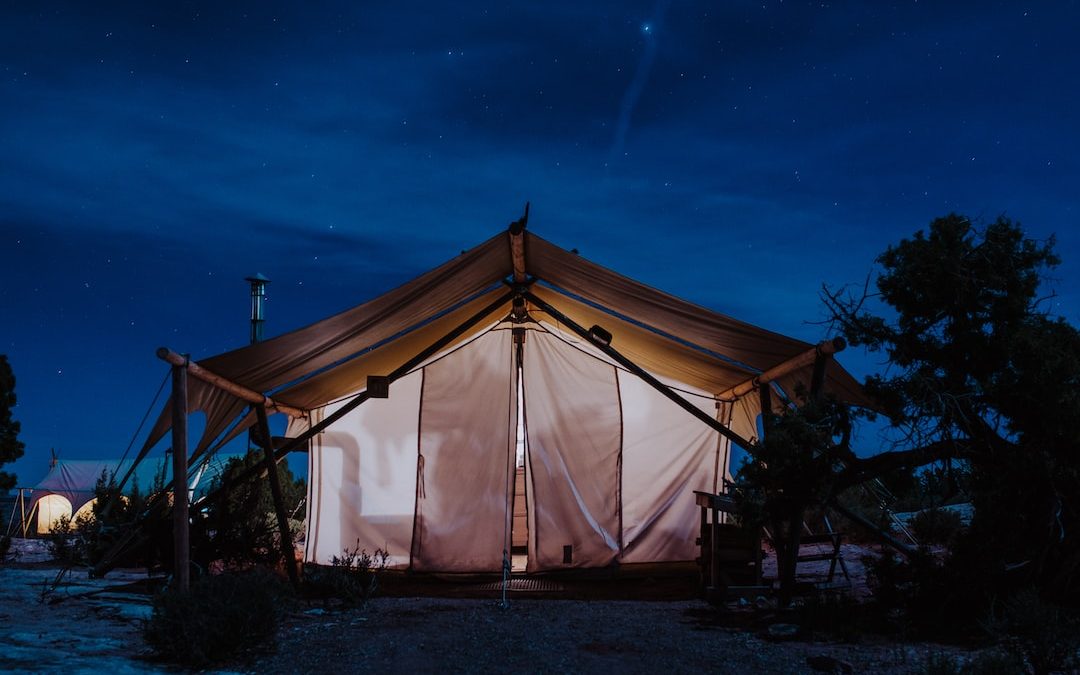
point(67, 490)
point(617, 436)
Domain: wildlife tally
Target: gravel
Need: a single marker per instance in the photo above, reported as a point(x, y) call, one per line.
point(434, 634)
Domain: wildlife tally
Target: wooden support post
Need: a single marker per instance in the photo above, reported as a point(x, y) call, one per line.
point(817, 380)
point(288, 551)
point(181, 542)
point(765, 397)
point(647, 377)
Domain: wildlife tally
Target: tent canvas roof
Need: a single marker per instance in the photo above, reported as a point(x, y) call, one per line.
point(330, 359)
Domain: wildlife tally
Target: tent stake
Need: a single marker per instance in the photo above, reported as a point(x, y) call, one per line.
point(181, 542)
point(639, 371)
point(288, 551)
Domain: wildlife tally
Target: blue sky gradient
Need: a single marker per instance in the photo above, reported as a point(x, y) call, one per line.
point(736, 154)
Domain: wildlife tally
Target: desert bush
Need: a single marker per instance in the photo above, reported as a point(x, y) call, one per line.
point(838, 617)
point(1044, 635)
point(351, 578)
point(239, 527)
point(936, 526)
point(220, 618)
point(69, 539)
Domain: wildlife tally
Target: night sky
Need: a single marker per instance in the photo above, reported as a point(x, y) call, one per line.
point(737, 154)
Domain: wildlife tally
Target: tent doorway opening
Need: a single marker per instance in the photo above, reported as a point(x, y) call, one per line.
point(519, 525)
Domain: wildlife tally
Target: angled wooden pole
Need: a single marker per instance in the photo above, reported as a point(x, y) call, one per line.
point(882, 536)
point(181, 535)
point(810, 356)
point(605, 346)
point(238, 390)
point(288, 552)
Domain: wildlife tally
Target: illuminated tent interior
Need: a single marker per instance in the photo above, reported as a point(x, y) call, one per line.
point(67, 490)
point(517, 376)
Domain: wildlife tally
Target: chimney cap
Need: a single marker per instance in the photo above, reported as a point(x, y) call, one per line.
point(258, 276)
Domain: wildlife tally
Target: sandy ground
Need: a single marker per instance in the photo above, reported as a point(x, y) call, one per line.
point(81, 625)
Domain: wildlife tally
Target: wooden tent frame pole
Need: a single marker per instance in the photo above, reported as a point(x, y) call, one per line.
point(288, 551)
point(239, 391)
point(637, 370)
point(810, 356)
point(181, 535)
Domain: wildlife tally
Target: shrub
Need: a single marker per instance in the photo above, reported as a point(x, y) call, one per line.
point(239, 526)
point(1043, 634)
point(68, 539)
point(936, 526)
point(351, 578)
point(838, 617)
point(219, 618)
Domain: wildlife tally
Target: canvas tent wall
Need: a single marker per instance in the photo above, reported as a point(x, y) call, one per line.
point(427, 474)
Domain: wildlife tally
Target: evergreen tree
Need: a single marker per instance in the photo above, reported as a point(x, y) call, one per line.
point(980, 373)
point(11, 448)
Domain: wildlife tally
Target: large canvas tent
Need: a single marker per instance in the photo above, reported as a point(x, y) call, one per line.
point(620, 423)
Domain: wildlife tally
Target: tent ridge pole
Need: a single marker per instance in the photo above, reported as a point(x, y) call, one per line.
point(237, 390)
point(639, 371)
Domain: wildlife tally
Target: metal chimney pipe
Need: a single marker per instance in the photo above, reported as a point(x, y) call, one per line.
point(258, 300)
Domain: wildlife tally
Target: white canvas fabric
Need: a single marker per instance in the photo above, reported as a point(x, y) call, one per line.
point(362, 476)
point(666, 456)
point(467, 433)
point(573, 430)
